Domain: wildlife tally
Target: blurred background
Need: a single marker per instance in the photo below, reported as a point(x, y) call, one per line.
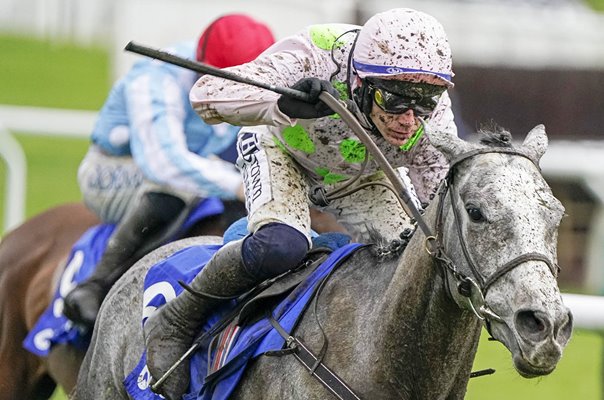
point(518, 62)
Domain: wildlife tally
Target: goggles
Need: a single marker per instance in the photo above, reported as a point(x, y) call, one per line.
point(397, 97)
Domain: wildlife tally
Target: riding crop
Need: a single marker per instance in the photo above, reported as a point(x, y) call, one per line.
point(208, 69)
point(344, 109)
point(340, 107)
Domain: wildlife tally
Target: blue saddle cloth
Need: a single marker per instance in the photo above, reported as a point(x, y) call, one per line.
point(52, 327)
point(161, 285)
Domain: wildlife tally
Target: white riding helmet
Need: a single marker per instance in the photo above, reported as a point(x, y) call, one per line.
point(403, 41)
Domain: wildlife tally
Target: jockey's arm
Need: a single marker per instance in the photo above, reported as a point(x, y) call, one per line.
point(284, 64)
point(159, 145)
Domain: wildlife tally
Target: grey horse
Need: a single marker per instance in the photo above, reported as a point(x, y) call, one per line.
point(405, 327)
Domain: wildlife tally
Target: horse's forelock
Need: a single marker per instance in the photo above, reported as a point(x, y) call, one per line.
point(495, 135)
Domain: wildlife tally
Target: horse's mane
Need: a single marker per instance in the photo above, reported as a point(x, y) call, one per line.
point(494, 135)
point(384, 249)
point(491, 134)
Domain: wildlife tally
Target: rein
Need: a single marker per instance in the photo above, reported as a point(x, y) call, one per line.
point(467, 292)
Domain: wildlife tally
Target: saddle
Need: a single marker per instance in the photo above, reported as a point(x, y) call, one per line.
point(241, 330)
point(255, 306)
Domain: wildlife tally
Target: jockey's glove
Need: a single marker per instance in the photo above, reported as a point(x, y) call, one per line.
point(313, 108)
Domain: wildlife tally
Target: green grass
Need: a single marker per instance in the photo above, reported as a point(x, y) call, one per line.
point(42, 74)
point(596, 4)
point(578, 375)
point(56, 75)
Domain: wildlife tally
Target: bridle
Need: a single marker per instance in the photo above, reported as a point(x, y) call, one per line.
point(467, 292)
point(470, 292)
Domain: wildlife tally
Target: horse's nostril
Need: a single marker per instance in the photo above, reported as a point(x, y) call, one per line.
point(532, 325)
point(565, 330)
point(530, 321)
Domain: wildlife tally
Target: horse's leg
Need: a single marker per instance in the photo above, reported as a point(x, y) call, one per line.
point(22, 374)
point(64, 364)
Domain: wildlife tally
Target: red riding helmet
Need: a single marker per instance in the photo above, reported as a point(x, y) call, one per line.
point(232, 40)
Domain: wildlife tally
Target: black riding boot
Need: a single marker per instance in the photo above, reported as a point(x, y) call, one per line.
point(150, 224)
point(170, 332)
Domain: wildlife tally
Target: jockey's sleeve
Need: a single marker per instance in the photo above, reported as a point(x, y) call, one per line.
point(283, 64)
point(156, 108)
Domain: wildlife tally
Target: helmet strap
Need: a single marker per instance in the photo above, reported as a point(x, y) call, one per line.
point(363, 97)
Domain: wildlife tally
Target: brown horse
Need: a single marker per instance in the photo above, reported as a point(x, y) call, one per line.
point(29, 257)
point(32, 258)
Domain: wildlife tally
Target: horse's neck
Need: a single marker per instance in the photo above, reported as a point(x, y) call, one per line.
point(428, 341)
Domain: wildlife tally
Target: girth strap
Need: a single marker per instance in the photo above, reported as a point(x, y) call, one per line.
point(313, 364)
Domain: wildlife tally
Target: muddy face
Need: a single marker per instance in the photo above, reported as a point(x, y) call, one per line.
point(536, 325)
point(395, 128)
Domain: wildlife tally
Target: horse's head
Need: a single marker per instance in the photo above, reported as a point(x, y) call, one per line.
point(499, 227)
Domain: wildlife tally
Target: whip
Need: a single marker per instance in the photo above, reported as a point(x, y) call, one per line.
point(338, 106)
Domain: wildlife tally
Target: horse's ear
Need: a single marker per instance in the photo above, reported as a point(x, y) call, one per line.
point(535, 143)
point(449, 145)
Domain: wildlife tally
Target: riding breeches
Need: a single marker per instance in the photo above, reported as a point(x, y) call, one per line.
point(276, 191)
point(111, 185)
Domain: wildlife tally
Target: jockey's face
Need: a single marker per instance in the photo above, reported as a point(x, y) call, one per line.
point(395, 128)
point(394, 112)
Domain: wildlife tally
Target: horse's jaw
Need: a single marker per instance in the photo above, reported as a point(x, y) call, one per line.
point(530, 360)
point(535, 327)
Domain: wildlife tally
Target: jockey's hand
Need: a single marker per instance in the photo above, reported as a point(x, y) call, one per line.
point(314, 108)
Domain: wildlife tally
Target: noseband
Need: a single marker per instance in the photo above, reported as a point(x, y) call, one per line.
point(470, 292)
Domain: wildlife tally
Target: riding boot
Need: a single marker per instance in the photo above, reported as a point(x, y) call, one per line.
point(170, 332)
point(151, 223)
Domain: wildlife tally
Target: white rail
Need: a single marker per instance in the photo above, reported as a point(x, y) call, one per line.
point(559, 161)
point(588, 311)
point(48, 121)
point(16, 172)
point(39, 121)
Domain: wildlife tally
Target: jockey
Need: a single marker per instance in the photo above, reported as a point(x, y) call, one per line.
point(152, 157)
point(397, 68)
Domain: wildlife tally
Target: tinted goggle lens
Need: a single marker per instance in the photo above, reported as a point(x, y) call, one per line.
point(397, 104)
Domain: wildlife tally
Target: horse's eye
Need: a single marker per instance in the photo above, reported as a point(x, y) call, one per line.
point(475, 214)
